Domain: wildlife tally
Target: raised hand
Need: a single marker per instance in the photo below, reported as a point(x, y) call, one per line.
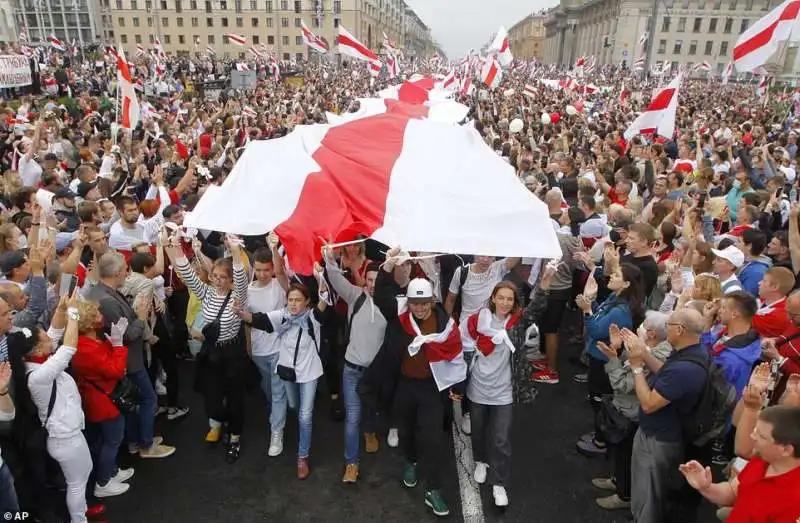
point(118, 332)
point(761, 376)
point(696, 475)
point(5, 375)
point(609, 352)
point(615, 336)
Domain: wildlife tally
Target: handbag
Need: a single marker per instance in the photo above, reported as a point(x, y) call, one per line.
point(125, 395)
point(612, 424)
point(211, 330)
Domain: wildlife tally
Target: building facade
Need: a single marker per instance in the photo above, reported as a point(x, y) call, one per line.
point(187, 27)
point(68, 20)
point(8, 25)
point(684, 32)
point(418, 41)
point(527, 37)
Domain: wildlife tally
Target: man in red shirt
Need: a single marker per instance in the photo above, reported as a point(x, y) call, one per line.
point(771, 319)
point(768, 488)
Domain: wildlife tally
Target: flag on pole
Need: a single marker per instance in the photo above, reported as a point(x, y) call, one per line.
point(530, 90)
point(659, 117)
point(491, 74)
point(727, 73)
point(393, 65)
point(501, 46)
point(129, 104)
point(139, 49)
point(761, 40)
point(449, 80)
point(57, 44)
point(702, 66)
point(374, 68)
point(466, 86)
point(159, 49)
point(638, 65)
point(23, 36)
point(313, 41)
point(73, 50)
point(389, 45)
point(210, 50)
point(235, 39)
point(350, 46)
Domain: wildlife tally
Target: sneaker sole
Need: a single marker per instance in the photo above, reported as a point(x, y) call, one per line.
point(274, 454)
point(409, 485)
point(440, 514)
point(172, 417)
point(547, 381)
point(109, 494)
point(157, 456)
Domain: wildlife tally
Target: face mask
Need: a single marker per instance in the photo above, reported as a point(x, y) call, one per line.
point(737, 184)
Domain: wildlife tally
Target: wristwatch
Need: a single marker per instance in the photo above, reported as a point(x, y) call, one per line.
point(638, 370)
point(73, 314)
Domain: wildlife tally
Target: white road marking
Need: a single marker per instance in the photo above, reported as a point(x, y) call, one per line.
point(471, 505)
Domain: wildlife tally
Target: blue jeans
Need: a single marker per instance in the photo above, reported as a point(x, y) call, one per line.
point(8, 495)
point(305, 412)
point(140, 425)
point(354, 413)
point(105, 438)
point(273, 387)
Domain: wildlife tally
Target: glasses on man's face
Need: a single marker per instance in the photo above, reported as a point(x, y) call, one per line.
point(674, 324)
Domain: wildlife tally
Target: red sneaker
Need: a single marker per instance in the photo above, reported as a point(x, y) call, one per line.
point(96, 510)
point(539, 365)
point(546, 376)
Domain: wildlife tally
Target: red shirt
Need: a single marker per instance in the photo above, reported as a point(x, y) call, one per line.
point(620, 199)
point(771, 320)
point(788, 345)
point(104, 365)
point(762, 499)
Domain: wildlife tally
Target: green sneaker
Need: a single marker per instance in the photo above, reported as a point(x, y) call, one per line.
point(410, 475)
point(434, 500)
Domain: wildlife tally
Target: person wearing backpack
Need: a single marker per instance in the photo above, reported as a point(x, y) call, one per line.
point(299, 366)
point(672, 392)
point(364, 334)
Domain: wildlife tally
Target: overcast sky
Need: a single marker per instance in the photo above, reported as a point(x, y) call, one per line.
point(459, 25)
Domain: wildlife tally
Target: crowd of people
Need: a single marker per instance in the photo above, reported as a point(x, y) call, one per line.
point(678, 277)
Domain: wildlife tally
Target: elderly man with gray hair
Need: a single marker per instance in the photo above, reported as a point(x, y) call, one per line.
point(653, 332)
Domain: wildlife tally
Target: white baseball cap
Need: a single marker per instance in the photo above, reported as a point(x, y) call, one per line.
point(730, 253)
point(419, 289)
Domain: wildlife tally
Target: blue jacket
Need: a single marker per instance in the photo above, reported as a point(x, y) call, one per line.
point(751, 275)
point(736, 355)
point(613, 310)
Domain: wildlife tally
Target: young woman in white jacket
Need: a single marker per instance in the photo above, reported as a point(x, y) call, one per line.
point(490, 387)
point(33, 352)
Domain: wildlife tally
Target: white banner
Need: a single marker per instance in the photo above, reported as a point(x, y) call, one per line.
point(15, 71)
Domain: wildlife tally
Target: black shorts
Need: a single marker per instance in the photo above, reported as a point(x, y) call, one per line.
point(553, 313)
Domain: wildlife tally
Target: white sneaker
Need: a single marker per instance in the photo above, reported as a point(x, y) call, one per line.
point(392, 439)
point(500, 496)
point(275, 444)
point(480, 472)
point(123, 475)
point(161, 390)
point(466, 424)
point(112, 488)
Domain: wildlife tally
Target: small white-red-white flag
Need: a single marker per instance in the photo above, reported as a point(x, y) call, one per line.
point(393, 65)
point(449, 81)
point(242, 67)
point(491, 74)
point(638, 65)
point(762, 39)
point(210, 50)
point(237, 39)
point(501, 47)
point(56, 43)
point(374, 68)
point(580, 62)
point(623, 94)
point(350, 46)
point(530, 90)
point(659, 117)
point(466, 86)
point(139, 49)
point(727, 73)
point(702, 66)
point(313, 41)
point(129, 104)
point(763, 86)
point(249, 112)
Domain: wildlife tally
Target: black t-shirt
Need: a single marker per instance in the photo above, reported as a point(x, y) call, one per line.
point(649, 268)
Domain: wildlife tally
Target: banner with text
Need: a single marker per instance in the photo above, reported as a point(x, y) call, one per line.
point(15, 71)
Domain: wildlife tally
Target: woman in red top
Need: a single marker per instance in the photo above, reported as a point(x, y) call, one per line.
point(98, 366)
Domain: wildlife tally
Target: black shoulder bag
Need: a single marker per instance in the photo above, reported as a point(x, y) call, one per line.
point(38, 439)
point(125, 395)
point(288, 373)
point(356, 307)
point(211, 330)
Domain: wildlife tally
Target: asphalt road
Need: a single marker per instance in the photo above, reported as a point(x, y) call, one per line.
point(550, 480)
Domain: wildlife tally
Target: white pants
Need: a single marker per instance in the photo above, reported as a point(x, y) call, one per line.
point(76, 463)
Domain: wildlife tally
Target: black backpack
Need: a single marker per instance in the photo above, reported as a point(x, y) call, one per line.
point(461, 281)
point(710, 415)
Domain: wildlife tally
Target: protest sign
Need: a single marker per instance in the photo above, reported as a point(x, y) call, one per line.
point(15, 71)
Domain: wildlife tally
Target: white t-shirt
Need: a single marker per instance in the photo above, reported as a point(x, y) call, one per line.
point(121, 238)
point(478, 287)
point(268, 298)
point(30, 172)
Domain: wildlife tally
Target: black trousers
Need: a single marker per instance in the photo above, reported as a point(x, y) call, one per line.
point(224, 376)
point(598, 385)
point(164, 357)
point(491, 440)
point(177, 307)
point(419, 411)
point(623, 454)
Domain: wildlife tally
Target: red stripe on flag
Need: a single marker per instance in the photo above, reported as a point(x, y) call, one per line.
point(661, 101)
point(344, 40)
point(125, 117)
point(405, 109)
point(762, 38)
point(350, 190)
point(412, 93)
point(425, 83)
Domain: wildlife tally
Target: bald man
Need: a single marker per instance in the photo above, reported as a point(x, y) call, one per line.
point(676, 389)
point(28, 307)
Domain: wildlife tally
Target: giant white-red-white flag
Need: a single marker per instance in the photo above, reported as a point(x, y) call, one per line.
point(659, 117)
point(371, 176)
point(445, 111)
point(491, 74)
point(761, 40)
point(313, 41)
point(129, 104)
point(501, 47)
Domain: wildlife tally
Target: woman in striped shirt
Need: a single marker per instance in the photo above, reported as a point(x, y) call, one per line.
point(223, 364)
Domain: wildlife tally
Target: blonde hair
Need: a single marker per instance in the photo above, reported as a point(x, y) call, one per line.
point(89, 312)
point(707, 287)
point(6, 230)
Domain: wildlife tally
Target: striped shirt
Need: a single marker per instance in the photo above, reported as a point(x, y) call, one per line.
point(212, 300)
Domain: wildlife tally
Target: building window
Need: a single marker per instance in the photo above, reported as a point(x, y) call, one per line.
point(298, 40)
point(698, 23)
point(152, 38)
point(299, 57)
point(297, 7)
point(178, 6)
point(137, 39)
point(210, 39)
point(224, 22)
point(163, 5)
point(237, 5)
point(149, 21)
point(121, 22)
point(195, 21)
point(223, 5)
point(209, 22)
point(662, 46)
point(135, 21)
point(134, 5)
point(284, 5)
point(287, 56)
point(284, 22)
point(315, 22)
point(337, 7)
point(336, 22)
point(208, 6)
point(256, 39)
point(179, 21)
point(693, 47)
point(665, 25)
point(709, 48)
point(676, 49)
point(123, 39)
point(297, 22)
point(166, 39)
point(254, 22)
point(270, 40)
point(723, 48)
point(728, 26)
point(164, 22)
point(254, 5)
point(239, 21)
point(745, 25)
point(681, 24)
point(748, 5)
point(193, 5)
point(733, 5)
point(712, 25)
point(269, 6)
point(284, 40)
point(181, 39)
point(269, 22)
point(119, 5)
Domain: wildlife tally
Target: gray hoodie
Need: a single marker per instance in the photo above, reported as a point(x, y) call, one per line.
point(621, 377)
